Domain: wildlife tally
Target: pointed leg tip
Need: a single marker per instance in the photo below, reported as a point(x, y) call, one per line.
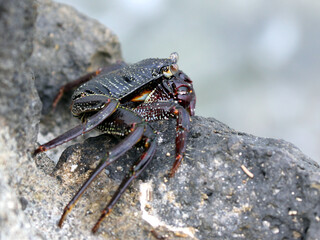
point(103, 215)
point(176, 165)
point(38, 150)
point(61, 221)
point(53, 109)
point(63, 217)
point(171, 174)
point(173, 171)
point(95, 228)
point(60, 224)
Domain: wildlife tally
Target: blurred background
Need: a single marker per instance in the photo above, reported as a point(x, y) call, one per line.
point(255, 64)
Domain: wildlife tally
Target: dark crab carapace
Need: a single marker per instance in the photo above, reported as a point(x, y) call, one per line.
point(121, 100)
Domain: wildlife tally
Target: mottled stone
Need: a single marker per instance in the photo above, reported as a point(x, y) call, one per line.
point(19, 101)
point(67, 44)
point(30, 199)
point(210, 197)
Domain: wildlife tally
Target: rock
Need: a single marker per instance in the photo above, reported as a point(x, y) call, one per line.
point(210, 197)
point(27, 210)
point(19, 113)
point(19, 100)
point(45, 45)
point(67, 44)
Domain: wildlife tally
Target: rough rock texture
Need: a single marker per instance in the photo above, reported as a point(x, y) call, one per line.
point(66, 45)
point(19, 100)
point(19, 112)
point(30, 203)
point(45, 44)
point(210, 196)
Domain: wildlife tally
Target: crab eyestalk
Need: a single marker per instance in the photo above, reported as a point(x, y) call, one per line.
point(174, 57)
point(173, 68)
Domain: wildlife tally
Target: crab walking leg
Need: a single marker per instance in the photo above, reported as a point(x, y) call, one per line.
point(83, 79)
point(120, 149)
point(88, 125)
point(159, 110)
point(137, 169)
point(72, 85)
point(183, 126)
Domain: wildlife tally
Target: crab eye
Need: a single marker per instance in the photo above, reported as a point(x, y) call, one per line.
point(174, 68)
point(169, 71)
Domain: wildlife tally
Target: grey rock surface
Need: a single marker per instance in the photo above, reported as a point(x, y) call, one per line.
point(19, 113)
point(30, 200)
point(71, 43)
point(19, 102)
point(211, 197)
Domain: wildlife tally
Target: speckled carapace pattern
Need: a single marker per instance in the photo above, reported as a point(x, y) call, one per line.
point(122, 82)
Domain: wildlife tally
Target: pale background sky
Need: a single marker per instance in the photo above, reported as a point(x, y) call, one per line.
point(255, 64)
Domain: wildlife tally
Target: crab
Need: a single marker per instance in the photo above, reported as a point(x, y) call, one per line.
point(121, 100)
